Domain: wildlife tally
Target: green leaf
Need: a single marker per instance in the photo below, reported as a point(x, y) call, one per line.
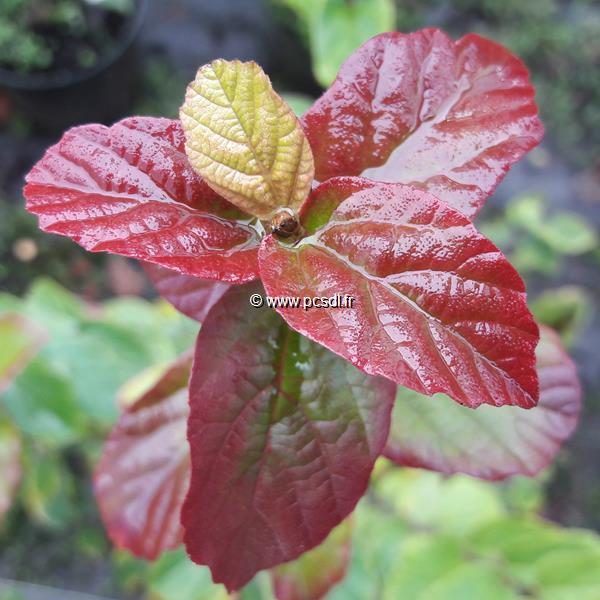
point(461, 504)
point(563, 232)
point(91, 542)
point(172, 332)
point(580, 592)
point(568, 233)
point(525, 494)
point(560, 563)
point(98, 359)
point(245, 140)
point(299, 103)
point(341, 26)
point(336, 28)
point(378, 540)
point(423, 560)
point(520, 541)
point(20, 340)
point(131, 572)
point(9, 303)
point(42, 404)
point(53, 306)
point(10, 465)
point(318, 570)
point(258, 589)
point(99, 348)
point(566, 309)
point(566, 567)
point(499, 231)
point(48, 491)
point(472, 582)
point(526, 212)
point(175, 577)
point(531, 254)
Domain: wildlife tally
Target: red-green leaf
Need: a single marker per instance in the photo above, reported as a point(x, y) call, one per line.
point(448, 117)
point(20, 339)
point(10, 465)
point(437, 307)
point(143, 476)
point(283, 437)
point(316, 572)
point(192, 296)
point(130, 189)
point(490, 442)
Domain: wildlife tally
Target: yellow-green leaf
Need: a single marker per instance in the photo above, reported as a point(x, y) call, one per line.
point(245, 140)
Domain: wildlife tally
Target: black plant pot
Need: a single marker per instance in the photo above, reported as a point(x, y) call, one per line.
point(56, 100)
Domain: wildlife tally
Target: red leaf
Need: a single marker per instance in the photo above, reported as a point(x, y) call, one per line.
point(129, 189)
point(437, 306)
point(283, 438)
point(491, 442)
point(143, 475)
point(447, 117)
point(313, 575)
point(192, 296)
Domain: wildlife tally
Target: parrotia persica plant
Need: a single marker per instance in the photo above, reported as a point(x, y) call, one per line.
point(370, 194)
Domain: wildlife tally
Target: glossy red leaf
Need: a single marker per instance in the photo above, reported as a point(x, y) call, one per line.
point(491, 442)
point(437, 307)
point(130, 189)
point(449, 117)
point(317, 571)
point(192, 296)
point(283, 438)
point(143, 476)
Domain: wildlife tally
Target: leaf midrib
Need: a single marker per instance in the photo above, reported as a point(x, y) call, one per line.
point(265, 174)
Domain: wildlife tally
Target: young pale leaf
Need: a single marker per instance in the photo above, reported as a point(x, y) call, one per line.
point(436, 308)
point(448, 117)
point(245, 140)
point(10, 465)
point(491, 442)
point(283, 437)
point(142, 479)
point(312, 575)
point(192, 296)
point(21, 339)
point(130, 189)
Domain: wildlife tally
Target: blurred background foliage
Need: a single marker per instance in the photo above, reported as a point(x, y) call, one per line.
point(416, 534)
